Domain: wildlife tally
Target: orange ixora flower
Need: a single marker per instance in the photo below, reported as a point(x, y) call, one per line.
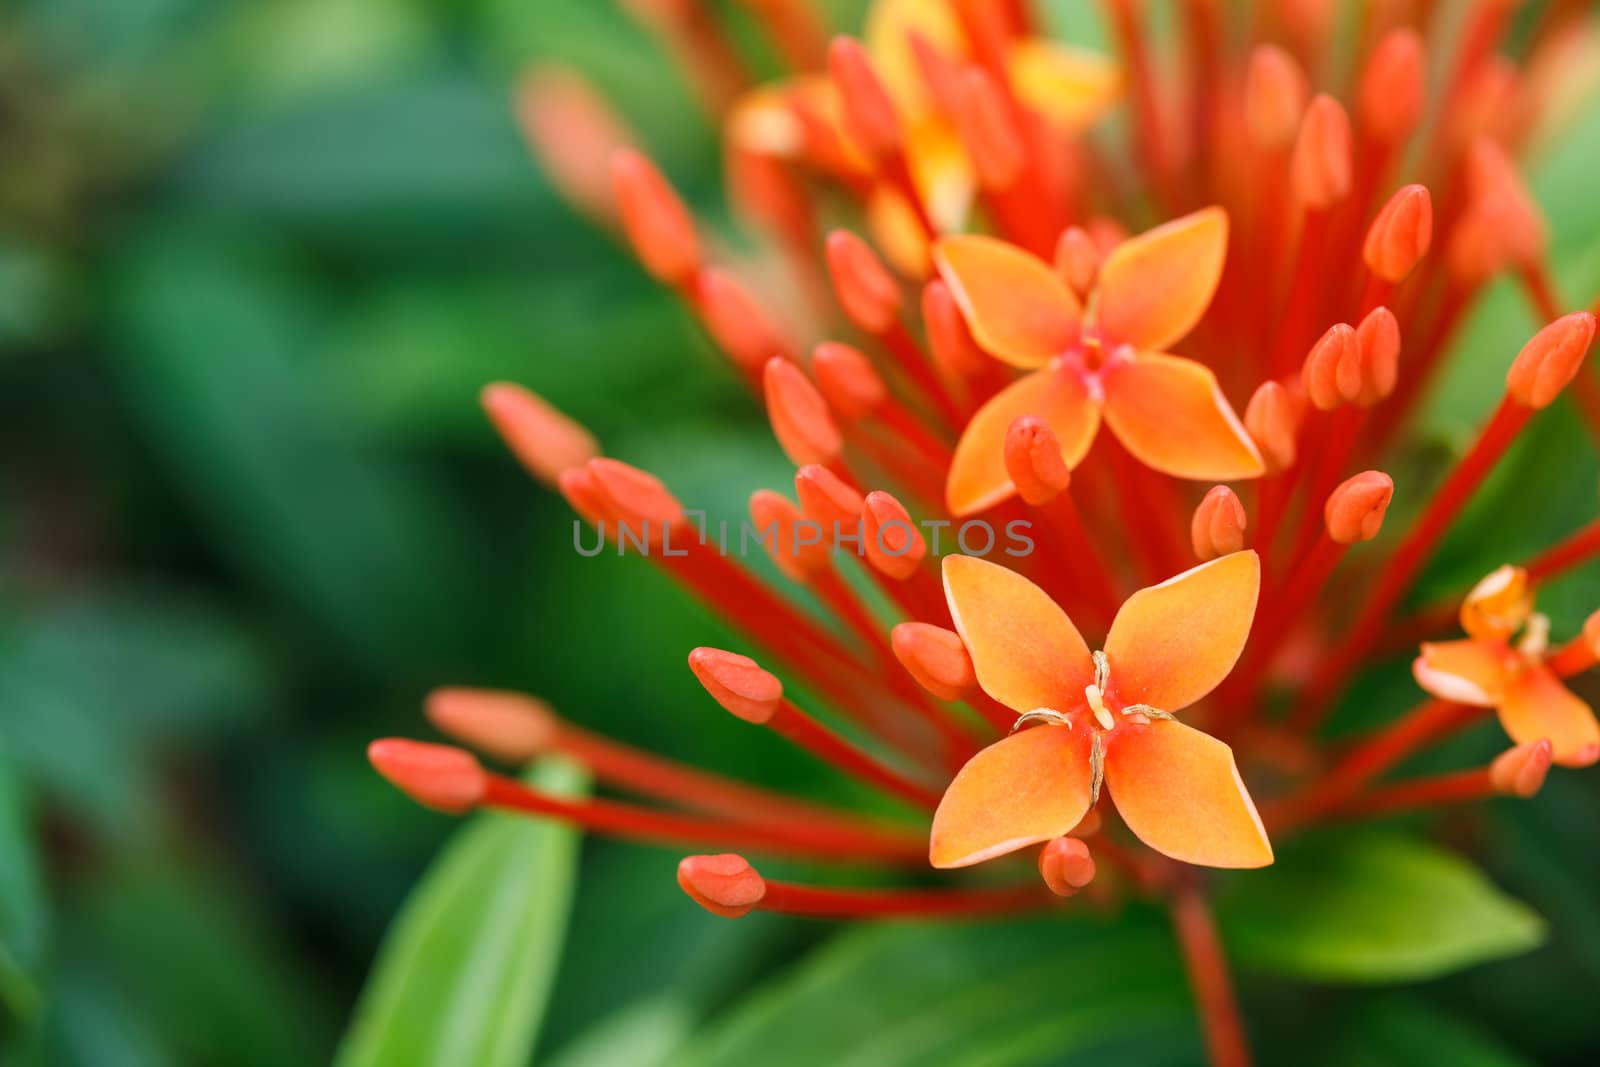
point(1103, 358)
point(1490, 669)
point(1103, 715)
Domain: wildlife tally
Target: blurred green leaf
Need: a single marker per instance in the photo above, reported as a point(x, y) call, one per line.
point(1372, 907)
point(644, 1034)
point(22, 908)
point(1404, 1029)
point(463, 976)
point(1051, 990)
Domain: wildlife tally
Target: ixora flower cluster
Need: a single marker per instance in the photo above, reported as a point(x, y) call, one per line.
point(1062, 220)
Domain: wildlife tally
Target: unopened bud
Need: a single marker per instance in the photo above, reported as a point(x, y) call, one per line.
point(890, 539)
point(573, 133)
point(799, 551)
point(1321, 166)
point(949, 340)
point(1521, 771)
point(1551, 359)
point(1066, 866)
point(869, 113)
point(865, 289)
point(800, 418)
point(724, 885)
point(740, 684)
point(1033, 460)
point(1077, 259)
point(936, 658)
point(1274, 96)
point(1332, 370)
point(511, 727)
point(658, 225)
point(847, 380)
point(991, 138)
point(826, 498)
point(1393, 90)
point(544, 440)
point(736, 321)
point(1400, 235)
point(1273, 424)
point(634, 498)
point(441, 777)
point(1217, 528)
point(1378, 338)
point(1354, 511)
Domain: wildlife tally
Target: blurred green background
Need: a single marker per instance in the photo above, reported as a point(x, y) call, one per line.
point(256, 260)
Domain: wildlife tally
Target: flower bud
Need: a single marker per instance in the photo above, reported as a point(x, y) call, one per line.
point(724, 885)
point(1400, 235)
point(658, 226)
point(1217, 528)
point(1077, 259)
point(798, 557)
point(1378, 338)
point(991, 138)
point(573, 133)
point(827, 499)
point(1332, 371)
point(1273, 423)
point(1274, 96)
point(1551, 359)
point(891, 541)
point(1521, 771)
point(441, 777)
point(634, 498)
point(511, 727)
point(847, 380)
point(735, 321)
point(1320, 169)
point(936, 658)
point(738, 683)
point(1392, 93)
point(866, 291)
point(800, 418)
point(1033, 460)
point(1354, 511)
point(869, 113)
point(544, 440)
point(1066, 866)
point(949, 340)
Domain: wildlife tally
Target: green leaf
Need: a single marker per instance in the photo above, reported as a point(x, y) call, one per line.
point(1372, 907)
point(1407, 1030)
point(644, 1034)
point(1056, 989)
point(463, 976)
point(22, 909)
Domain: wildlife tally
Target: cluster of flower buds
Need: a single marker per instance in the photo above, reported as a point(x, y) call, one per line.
point(992, 340)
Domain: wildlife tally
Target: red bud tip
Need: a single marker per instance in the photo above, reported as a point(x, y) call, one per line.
point(891, 541)
point(544, 440)
point(799, 553)
point(735, 321)
point(866, 291)
point(1332, 371)
point(578, 486)
point(1520, 771)
point(573, 133)
point(1217, 528)
point(1033, 460)
point(1378, 338)
point(436, 776)
point(1550, 360)
point(1514, 229)
point(1274, 96)
point(1400, 235)
point(658, 226)
point(634, 497)
point(992, 140)
point(1354, 511)
point(800, 418)
point(510, 727)
point(1321, 166)
point(827, 499)
point(954, 351)
point(1066, 866)
point(724, 885)
point(1077, 259)
point(936, 658)
point(1393, 90)
point(738, 683)
point(869, 114)
point(1273, 424)
point(847, 380)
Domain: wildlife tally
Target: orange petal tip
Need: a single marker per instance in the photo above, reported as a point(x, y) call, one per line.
point(544, 440)
point(1034, 461)
point(800, 417)
point(1217, 528)
point(658, 225)
point(1066, 866)
point(735, 321)
point(724, 885)
point(1400, 234)
point(1521, 771)
point(935, 657)
point(441, 777)
point(847, 379)
point(864, 287)
point(511, 727)
point(1550, 360)
point(1274, 96)
point(869, 113)
point(1392, 92)
point(1321, 166)
point(740, 684)
point(890, 539)
point(1355, 510)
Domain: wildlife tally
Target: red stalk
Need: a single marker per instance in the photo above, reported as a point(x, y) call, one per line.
point(830, 903)
point(796, 726)
point(1428, 792)
point(1207, 968)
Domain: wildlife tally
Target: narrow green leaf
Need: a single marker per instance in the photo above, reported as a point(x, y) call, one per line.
point(1057, 989)
point(1372, 907)
point(465, 971)
point(22, 910)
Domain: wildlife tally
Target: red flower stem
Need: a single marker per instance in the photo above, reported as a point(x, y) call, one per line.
point(914, 435)
point(1297, 320)
point(898, 171)
point(646, 774)
point(1376, 293)
point(1540, 290)
point(795, 31)
point(802, 730)
point(1141, 524)
point(793, 839)
point(911, 360)
point(1150, 141)
point(1429, 792)
point(1334, 452)
point(822, 902)
point(1303, 581)
point(1402, 568)
point(1089, 573)
point(1203, 35)
point(1572, 551)
point(1418, 373)
point(1423, 725)
point(1586, 395)
point(1574, 657)
point(1207, 968)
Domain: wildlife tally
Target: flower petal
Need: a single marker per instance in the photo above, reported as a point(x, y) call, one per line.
point(1019, 310)
point(1170, 414)
point(1154, 287)
point(1027, 788)
point(1172, 643)
point(1180, 792)
point(1537, 705)
point(1470, 671)
point(1026, 652)
point(978, 477)
point(887, 33)
point(1070, 87)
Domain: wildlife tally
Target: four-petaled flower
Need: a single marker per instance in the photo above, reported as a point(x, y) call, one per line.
point(1486, 669)
point(1152, 289)
point(1105, 714)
